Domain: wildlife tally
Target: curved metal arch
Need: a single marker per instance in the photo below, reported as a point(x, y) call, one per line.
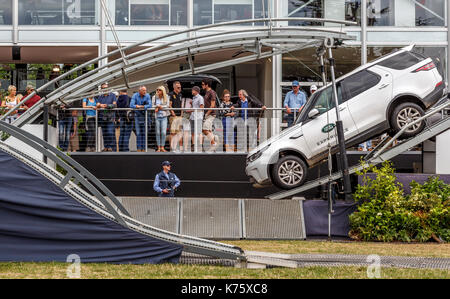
point(73, 168)
point(194, 41)
point(195, 29)
point(70, 92)
point(183, 50)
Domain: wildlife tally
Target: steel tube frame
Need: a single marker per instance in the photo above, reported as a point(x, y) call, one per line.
point(73, 168)
point(340, 132)
point(162, 54)
point(173, 34)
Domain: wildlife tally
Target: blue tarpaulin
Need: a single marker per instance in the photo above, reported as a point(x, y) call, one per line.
point(40, 222)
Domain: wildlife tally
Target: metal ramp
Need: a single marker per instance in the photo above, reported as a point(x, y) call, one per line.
point(109, 207)
point(80, 185)
point(383, 152)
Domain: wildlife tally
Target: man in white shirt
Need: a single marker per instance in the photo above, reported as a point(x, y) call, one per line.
point(196, 117)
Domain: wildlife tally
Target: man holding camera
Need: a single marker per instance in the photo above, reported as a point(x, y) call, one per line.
point(166, 182)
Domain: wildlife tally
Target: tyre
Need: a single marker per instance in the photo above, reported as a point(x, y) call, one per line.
point(289, 172)
point(404, 114)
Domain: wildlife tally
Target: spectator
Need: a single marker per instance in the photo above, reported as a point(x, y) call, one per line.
point(125, 121)
point(141, 100)
point(210, 102)
point(10, 101)
point(294, 100)
point(185, 120)
point(243, 103)
point(161, 103)
point(227, 120)
point(106, 119)
point(176, 118)
point(166, 182)
point(33, 100)
point(371, 13)
point(65, 121)
point(90, 103)
point(74, 144)
point(196, 117)
point(313, 89)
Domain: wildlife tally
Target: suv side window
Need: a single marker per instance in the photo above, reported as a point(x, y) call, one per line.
point(402, 60)
point(325, 102)
point(360, 82)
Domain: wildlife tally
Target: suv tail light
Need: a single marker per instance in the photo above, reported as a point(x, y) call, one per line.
point(426, 67)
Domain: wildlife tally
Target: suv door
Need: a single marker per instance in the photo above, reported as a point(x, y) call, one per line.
point(369, 93)
point(316, 130)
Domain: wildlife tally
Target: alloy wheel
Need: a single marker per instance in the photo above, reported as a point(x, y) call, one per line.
point(290, 172)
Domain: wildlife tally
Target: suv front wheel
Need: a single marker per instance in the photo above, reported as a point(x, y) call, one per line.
point(404, 114)
point(289, 172)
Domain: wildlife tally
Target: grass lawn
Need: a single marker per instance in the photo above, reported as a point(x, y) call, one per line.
point(351, 247)
point(58, 270)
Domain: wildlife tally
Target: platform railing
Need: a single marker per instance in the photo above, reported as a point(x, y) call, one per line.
point(131, 130)
point(118, 131)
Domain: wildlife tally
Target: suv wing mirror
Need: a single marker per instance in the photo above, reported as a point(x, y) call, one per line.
point(313, 113)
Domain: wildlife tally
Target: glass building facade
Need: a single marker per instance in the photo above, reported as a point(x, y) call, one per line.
point(380, 27)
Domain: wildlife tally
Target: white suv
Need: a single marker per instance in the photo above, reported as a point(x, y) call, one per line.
point(381, 96)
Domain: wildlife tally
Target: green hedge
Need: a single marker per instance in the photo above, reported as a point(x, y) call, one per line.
point(386, 214)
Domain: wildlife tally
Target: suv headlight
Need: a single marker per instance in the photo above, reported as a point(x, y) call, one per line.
point(258, 154)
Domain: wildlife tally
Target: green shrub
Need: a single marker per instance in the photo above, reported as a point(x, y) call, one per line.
point(386, 214)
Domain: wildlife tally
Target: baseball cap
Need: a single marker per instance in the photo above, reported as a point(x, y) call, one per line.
point(313, 87)
point(196, 88)
point(295, 83)
point(166, 163)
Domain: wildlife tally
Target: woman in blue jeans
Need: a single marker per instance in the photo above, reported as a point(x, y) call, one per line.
point(227, 121)
point(161, 104)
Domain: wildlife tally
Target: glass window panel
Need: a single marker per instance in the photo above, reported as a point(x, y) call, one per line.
point(203, 12)
point(430, 12)
point(153, 12)
point(380, 13)
point(406, 13)
point(6, 12)
point(304, 65)
point(305, 9)
point(57, 12)
point(218, 11)
point(261, 8)
point(230, 10)
point(348, 10)
point(122, 12)
point(178, 12)
point(353, 11)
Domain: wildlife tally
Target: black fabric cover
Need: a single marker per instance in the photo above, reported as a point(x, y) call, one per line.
point(316, 218)
point(40, 222)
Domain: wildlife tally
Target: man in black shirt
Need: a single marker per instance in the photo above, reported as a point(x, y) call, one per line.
point(176, 116)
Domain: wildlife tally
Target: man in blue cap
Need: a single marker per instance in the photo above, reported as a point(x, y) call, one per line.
point(166, 182)
point(294, 102)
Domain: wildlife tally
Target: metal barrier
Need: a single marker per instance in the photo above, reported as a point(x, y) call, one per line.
point(214, 218)
point(127, 129)
point(119, 130)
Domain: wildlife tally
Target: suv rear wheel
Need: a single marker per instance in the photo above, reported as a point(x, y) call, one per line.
point(289, 172)
point(404, 114)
